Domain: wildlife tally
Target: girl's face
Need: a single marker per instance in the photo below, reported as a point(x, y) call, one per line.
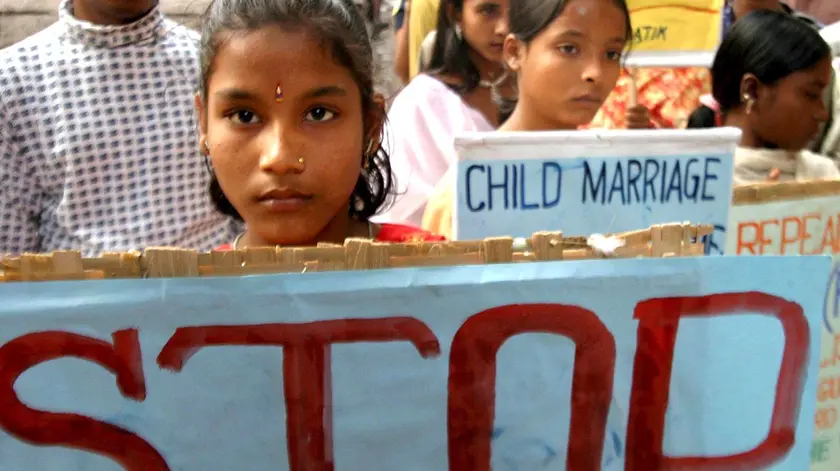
point(484, 25)
point(283, 124)
point(570, 68)
point(789, 113)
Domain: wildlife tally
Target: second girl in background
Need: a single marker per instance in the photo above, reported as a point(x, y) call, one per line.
point(454, 96)
point(566, 55)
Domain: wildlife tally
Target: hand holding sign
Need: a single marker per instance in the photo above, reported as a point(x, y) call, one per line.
point(638, 116)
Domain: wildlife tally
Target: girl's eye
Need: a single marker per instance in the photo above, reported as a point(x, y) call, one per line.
point(569, 49)
point(319, 114)
point(614, 56)
point(488, 10)
point(244, 117)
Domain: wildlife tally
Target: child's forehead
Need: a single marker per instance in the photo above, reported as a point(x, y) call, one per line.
point(274, 46)
point(295, 58)
point(589, 18)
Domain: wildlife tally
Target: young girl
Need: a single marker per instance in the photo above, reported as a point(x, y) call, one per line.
point(567, 58)
point(293, 132)
point(769, 76)
point(455, 95)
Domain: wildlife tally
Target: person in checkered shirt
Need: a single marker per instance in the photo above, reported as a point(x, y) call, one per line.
point(98, 138)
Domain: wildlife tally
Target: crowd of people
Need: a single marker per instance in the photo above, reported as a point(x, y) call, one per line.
point(122, 130)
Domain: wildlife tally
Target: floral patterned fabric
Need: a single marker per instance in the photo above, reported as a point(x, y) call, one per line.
point(671, 95)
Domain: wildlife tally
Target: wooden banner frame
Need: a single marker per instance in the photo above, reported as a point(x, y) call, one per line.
point(668, 240)
point(759, 193)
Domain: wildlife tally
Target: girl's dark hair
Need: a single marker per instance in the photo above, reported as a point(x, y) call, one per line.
point(701, 118)
point(340, 28)
point(528, 18)
point(767, 44)
point(451, 54)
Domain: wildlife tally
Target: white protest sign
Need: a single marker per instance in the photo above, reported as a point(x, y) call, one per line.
point(800, 218)
point(703, 363)
point(585, 182)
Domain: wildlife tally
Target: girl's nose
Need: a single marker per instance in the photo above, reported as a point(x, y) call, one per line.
point(277, 157)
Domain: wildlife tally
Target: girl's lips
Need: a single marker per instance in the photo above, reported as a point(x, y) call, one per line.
point(284, 205)
point(284, 200)
point(588, 100)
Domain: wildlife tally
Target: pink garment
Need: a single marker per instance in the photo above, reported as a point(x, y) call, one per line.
point(710, 102)
point(422, 124)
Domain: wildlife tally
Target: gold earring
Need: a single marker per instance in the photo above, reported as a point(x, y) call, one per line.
point(204, 146)
point(749, 101)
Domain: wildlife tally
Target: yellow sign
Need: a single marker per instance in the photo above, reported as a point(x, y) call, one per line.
point(676, 25)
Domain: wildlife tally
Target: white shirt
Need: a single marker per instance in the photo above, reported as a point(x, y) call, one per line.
point(98, 140)
point(755, 165)
point(420, 138)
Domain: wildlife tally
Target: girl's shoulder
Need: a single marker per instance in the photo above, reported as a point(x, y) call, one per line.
point(429, 99)
point(426, 87)
point(819, 166)
point(399, 233)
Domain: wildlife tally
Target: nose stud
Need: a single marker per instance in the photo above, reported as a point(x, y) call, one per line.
point(278, 94)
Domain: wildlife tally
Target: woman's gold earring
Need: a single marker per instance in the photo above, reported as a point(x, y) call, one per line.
point(749, 101)
point(204, 147)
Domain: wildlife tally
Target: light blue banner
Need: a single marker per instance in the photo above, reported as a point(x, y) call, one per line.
point(411, 368)
point(553, 181)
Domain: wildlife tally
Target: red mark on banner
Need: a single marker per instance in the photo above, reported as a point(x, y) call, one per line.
point(306, 369)
point(825, 418)
point(790, 235)
point(657, 335)
point(472, 380)
point(834, 357)
point(828, 389)
point(74, 430)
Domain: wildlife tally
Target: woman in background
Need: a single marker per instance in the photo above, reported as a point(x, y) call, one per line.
point(768, 78)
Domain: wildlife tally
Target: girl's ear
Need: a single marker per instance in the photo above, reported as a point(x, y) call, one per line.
point(750, 88)
point(201, 112)
point(514, 52)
